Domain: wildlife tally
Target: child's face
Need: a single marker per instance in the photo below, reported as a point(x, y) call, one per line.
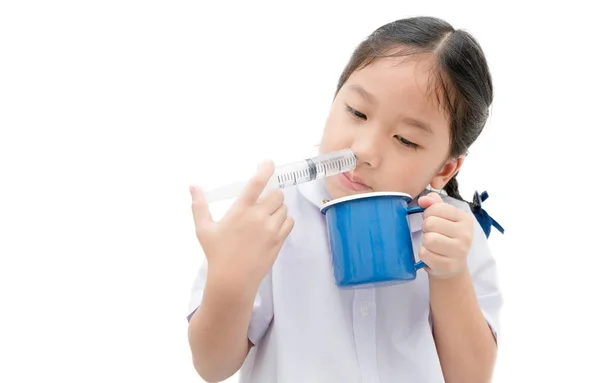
point(388, 114)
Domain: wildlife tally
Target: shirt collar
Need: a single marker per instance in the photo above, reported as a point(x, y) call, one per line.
point(315, 192)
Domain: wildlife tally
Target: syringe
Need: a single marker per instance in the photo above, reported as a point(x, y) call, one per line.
point(294, 173)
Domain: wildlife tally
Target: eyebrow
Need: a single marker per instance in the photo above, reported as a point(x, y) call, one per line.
point(361, 91)
point(418, 124)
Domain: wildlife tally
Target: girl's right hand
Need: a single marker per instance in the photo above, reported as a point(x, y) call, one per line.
point(243, 246)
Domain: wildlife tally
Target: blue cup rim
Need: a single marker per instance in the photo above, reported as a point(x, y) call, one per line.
point(353, 197)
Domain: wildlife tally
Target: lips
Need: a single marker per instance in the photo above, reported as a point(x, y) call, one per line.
point(352, 182)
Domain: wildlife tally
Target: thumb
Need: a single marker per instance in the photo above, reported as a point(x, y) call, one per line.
point(430, 199)
point(202, 216)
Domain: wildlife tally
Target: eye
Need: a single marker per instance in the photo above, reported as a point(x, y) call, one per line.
point(356, 113)
point(406, 142)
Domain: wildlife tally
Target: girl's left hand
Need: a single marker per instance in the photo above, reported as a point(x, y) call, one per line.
point(447, 237)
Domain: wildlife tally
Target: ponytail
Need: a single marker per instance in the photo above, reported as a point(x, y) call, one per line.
point(451, 188)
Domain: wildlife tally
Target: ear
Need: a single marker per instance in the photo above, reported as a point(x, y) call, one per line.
point(450, 168)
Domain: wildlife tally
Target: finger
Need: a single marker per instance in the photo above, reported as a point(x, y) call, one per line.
point(279, 217)
point(444, 210)
point(440, 244)
point(271, 201)
point(435, 224)
point(430, 199)
point(286, 228)
point(200, 211)
point(257, 184)
point(434, 261)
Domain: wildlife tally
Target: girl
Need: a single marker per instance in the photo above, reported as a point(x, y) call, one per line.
point(412, 99)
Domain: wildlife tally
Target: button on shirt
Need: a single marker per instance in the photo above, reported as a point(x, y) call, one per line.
point(306, 329)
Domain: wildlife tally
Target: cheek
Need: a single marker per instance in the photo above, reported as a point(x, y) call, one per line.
point(406, 177)
point(336, 134)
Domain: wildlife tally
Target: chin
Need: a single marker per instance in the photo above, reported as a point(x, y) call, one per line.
point(335, 191)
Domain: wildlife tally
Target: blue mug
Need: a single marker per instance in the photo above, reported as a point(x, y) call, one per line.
point(370, 239)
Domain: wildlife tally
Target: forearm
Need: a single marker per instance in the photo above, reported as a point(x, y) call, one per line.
point(464, 341)
point(218, 331)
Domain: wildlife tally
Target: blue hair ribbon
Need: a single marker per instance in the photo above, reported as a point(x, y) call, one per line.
point(485, 221)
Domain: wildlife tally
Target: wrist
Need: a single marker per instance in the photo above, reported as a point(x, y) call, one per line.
point(454, 304)
point(228, 283)
point(454, 276)
point(456, 279)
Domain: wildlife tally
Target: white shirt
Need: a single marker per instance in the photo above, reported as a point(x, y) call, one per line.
point(306, 329)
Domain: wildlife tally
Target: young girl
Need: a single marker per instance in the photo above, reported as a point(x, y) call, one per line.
point(413, 98)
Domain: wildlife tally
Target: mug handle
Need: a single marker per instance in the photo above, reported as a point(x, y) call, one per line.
point(413, 210)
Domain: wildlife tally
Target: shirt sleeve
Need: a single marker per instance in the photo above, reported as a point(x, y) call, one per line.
point(262, 312)
point(485, 279)
point(484, 275)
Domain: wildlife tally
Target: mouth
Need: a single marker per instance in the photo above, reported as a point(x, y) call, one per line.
point(352, 182)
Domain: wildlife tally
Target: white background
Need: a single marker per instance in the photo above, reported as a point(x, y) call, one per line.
point(109, 109)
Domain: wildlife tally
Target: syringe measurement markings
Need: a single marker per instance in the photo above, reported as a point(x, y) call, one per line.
point(316, 170)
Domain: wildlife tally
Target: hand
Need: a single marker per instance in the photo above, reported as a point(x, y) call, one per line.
point(447, 237)
point(245, 243)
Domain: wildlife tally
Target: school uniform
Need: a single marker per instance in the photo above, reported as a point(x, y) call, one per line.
point(306, 329)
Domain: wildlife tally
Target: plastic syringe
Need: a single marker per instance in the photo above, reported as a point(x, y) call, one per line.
point(295, 173)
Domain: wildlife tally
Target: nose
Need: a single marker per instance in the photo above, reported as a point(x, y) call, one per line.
point(368, 149)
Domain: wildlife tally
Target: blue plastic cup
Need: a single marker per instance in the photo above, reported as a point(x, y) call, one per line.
point(370, 239)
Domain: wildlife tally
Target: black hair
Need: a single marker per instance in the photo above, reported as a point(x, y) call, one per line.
point(463, 86)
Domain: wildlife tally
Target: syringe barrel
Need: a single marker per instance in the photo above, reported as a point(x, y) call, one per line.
point(295, 173)
point(314, 168)
point(334, 163)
